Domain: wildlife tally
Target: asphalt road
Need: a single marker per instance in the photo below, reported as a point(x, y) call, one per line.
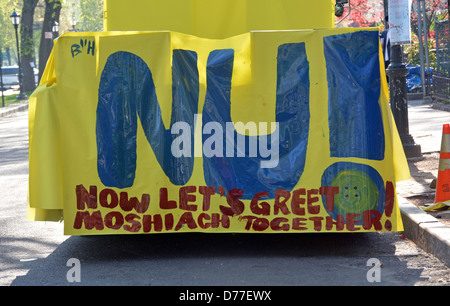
point(37, 253)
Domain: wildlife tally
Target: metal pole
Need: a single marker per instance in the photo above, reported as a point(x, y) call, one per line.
point(386, 13)
point(438, 53)
point(1, 78)
point(22, 95)
point(397, 72)
point(398, 99)
point(427, 58)
point(422, 62)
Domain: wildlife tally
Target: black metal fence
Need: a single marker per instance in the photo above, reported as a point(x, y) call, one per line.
point(441, 76)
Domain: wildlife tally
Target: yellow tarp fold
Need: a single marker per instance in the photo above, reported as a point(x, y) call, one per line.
point(217, 18)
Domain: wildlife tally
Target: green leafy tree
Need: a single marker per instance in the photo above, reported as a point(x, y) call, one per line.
point(91, 17)
point(39, 16)
point(7, 36)
point(82, 15)
point(26, 9)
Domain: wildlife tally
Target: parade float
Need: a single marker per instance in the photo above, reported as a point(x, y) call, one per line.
point(215, 116)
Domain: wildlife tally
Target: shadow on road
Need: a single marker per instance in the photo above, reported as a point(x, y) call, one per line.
point(224, 259)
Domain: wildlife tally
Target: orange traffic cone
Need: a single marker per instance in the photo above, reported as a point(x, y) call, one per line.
point(442, 198)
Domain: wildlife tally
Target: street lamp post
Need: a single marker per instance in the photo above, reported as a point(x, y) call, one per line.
point(397, 72)
point(15, 19)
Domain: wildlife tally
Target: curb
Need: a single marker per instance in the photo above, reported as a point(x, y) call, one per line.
point(425, 230)
point(18, 107)
point(441, 106)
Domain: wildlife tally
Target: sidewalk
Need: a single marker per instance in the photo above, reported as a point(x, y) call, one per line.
point(425, 124)
point(433, 236)
point(12, 108)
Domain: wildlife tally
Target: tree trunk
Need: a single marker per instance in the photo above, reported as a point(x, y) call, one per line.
point(52, 10)
point(26, 45)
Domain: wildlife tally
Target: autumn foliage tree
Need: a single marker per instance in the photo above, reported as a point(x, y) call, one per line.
point(364, 13)
point(369, 13)
point(435, 10)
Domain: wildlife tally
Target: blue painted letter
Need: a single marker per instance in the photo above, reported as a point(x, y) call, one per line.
point(127, 91)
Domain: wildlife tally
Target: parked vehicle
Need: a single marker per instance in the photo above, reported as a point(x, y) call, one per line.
point(11, 76)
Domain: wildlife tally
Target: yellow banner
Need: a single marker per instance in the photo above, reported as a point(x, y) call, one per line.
point(271, 131)
point(217, 18)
